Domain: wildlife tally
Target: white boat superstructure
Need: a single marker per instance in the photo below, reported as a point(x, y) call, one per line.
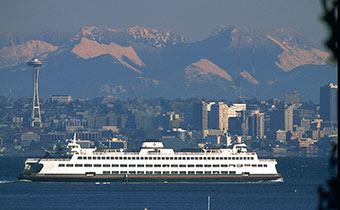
point(153, 163)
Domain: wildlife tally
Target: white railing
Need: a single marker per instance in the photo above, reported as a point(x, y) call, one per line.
point(55, 159)
point(164, 153)
point(115, 153)
point(32, 159)
point(267, 160)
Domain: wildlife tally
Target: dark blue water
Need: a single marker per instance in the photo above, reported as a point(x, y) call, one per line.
point(302, 176)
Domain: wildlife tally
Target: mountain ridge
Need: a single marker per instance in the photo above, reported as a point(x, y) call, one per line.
point(145, 62)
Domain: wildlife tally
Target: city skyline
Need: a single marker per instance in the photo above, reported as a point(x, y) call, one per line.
point(286, 128)
point(168, 91)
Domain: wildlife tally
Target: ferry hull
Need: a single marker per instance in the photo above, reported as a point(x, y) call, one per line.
point(152, 178)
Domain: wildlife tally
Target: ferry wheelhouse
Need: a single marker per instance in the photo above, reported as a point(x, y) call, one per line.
point(153, 163)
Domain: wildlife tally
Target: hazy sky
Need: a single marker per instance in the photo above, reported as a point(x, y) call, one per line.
point(194, 19)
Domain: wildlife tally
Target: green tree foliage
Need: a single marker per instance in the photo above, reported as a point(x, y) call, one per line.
point(330, 18)
point(329, 193)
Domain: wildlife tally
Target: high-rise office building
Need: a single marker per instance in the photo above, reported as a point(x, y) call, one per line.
point(199, 116)
point(288, 118)
point(329, 103)
point(188, 111)
point(256, 124)
point(237, 119)
point(276, 119)
point(305, 124)
point(218, 117)
point(292, 98)
point(236, 109)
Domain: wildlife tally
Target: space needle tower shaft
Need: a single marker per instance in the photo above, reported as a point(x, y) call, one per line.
point(35, 64)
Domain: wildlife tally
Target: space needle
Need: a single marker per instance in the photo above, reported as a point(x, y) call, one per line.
point(35, 64)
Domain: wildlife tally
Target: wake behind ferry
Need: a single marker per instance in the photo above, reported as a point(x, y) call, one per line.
point(153, 163)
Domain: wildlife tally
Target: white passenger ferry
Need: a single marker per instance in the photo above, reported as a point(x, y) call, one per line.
point(153, 163)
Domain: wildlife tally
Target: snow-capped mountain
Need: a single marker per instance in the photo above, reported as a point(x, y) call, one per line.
point(19, 54)
point(205, 70)
point(129, 36)
point(153, 37)
point(88, 49)
point(142, 62)
point(295, 50)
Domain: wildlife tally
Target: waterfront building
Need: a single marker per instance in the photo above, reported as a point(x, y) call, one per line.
point(28, 137)
point(61, 98)
point(174, 120)
point(281, 136)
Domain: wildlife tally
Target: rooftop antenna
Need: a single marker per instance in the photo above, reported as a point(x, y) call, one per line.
point(238, 79)
point(253, 68)
point(36, 115)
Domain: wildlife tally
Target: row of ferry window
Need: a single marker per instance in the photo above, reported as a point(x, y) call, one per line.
point(169, 172)
point(162, 158)
point(163, 166)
